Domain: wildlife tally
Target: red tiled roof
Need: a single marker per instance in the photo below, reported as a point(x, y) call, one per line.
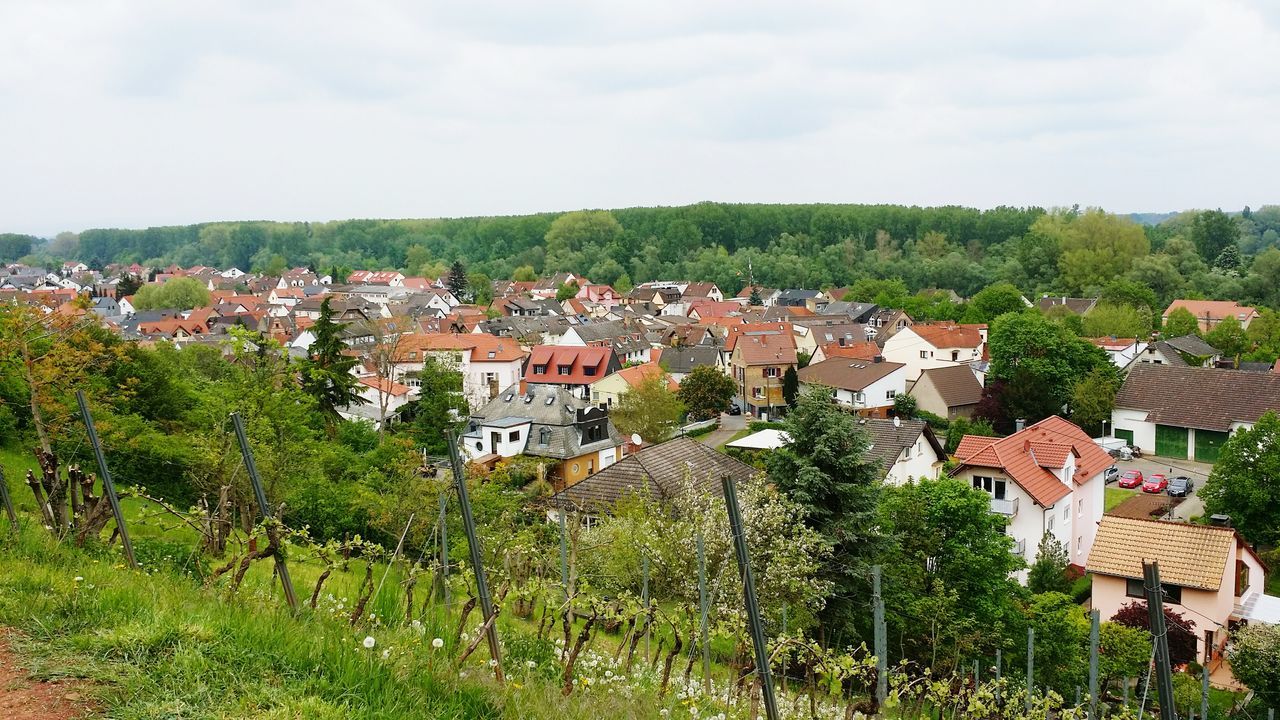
point(758, 329)
point(577, 359)
point(949, 335)
point(480, 345)
point(1213, 309)
point(766, 349)
point(385, 386)
point(1027, 456)
point(637, 374)
point(865, 350)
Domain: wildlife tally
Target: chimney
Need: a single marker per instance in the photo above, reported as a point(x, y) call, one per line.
point(1020, 424)
point(1220, 520)
point(878, 358)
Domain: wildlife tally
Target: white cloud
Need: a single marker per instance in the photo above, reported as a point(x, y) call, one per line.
point(135, 113)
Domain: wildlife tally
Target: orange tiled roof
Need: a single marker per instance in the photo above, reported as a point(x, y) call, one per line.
point(480, 345)
point(1213, 309)
point(637, 374)
point(949, 335)
point(1193, 556)
point(1027, 456)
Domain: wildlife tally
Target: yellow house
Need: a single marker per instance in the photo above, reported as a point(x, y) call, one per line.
point(607, 391)
point(758, 362)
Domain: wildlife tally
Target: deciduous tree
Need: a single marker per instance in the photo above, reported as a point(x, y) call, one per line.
point(1245, 481)
point(649, 409)
point(706, 392)
point(1181, 322)
point(1255, 660)
point(178, 293)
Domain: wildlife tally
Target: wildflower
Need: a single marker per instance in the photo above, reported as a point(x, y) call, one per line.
point(530, 664)
point(493, 663)
point(369, 642)
point(78, 579)
point(437, 643)
point(386, 654)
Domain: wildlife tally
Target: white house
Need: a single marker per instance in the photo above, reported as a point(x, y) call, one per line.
point(487, 363)
point(864, 385)
point(1189, 412)
point(907, 450)
point(1046, 479)
point(929, 345)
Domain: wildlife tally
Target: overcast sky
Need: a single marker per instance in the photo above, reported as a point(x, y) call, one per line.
point(128, 113)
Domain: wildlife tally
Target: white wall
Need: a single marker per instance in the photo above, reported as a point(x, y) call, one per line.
point(923, 462)
point(1144, 433)
point(905, 347)
point(505, 446)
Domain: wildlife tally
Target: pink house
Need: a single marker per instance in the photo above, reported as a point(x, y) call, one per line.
point(1209, 574)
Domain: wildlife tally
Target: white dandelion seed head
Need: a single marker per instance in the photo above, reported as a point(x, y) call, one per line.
point(437, 643)
point(369, 642)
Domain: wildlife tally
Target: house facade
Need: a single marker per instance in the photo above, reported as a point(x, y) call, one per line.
point(867, 386)
point(487, 363)
point(576, 369)
point(949, 392)
point(929, 345)
point(1046, 479)
point(758, 362)
point(1211, 312)
point(906, 450)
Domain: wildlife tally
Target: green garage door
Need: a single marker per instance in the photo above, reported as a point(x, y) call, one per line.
point(1126, 436)
point(1209, 444)
point(1171, 441)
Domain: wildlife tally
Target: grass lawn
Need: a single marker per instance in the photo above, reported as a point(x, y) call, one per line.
point(736, 436)
point(1114, 496)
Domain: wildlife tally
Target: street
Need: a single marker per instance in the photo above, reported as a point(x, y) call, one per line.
point(729, 426)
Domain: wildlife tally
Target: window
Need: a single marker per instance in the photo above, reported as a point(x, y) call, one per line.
point(514, 437)
point(413, 354)
point(1080, 507)
point(996, 487)
point(906, 453)
point(595, 397)
point(588, 371)
point(1242, 577)
point(1049, 525)
point(591, 467)
point(891, 394)
point(492, 354)
point(1079, 544)
point(924, 354)
point(539, 369)
point(564, 369)
point(1133, 588)
point(544, 437)
point(755, 391)
point(575, 468)
point(1066, 513)
point(771, 372)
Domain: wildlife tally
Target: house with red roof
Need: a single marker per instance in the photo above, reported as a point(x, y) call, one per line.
point(488, 363)
point(1046, 479)
point(929, 345)
point(610, 390)
point(575, 369)
point(1211, 312)
point(759, 356)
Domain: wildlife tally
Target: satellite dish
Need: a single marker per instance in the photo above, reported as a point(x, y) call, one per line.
point(635, 438)
point(897, 421)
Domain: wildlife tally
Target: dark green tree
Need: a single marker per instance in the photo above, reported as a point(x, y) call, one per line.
point(566, 291)
point(706, 392)
point(1212, 231)
point(439, 407)
point(992, 302)
point(128, 285)
point(326, 373)
point(754, 299)
point(1049, 572)
point(457, 281)
point(1040, 363)
point(1181, 322)
point(825, 469)
point(1228, 338)
point(1229, 259)
point(1245, 482)
point(790, 386)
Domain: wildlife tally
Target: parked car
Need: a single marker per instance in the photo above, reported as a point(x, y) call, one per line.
point(1131, 479)
point(1181, 486)
point(1111, 474)
point(1155, 484)
point(735, 410)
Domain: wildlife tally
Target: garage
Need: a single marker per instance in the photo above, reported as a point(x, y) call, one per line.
point(1209, 444)
point(1126, 436)
point(1171, 441)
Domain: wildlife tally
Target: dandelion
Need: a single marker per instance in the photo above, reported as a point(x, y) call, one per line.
point(437, 643)
point(530, 664)
point(369, 642)
point(386, 654)
point(78, 579)
point(493, 663)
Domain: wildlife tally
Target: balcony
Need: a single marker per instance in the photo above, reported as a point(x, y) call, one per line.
point(1008, 508)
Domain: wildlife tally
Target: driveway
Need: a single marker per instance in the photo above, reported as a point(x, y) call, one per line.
point(1197, 471)
point(730, 425)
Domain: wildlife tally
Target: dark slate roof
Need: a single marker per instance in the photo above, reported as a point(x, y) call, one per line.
point(1189, 344)
point(956, 384)
point(659, 470)
point(889, 440)
point(1200, 398)
point(545, 406)
point(682, 360)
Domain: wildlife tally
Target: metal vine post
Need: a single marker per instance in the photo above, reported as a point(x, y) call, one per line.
point(108, 487)
point(477, 561)
point(8, 503)
point(252, 469)
point(749, 596)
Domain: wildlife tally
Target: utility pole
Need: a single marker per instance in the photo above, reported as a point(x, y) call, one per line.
point(1155, 610)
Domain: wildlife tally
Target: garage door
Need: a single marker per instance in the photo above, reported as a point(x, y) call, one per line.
point(1171, 441)
point(1209, 444)
point(1126, 436)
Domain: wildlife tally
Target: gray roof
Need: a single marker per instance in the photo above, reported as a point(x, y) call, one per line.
point(889, 440)
point(1189, 344)
point(683, 360)
point(549, 407)
point(597, 331)
point(661, 471)
point(1200, 398)
point(798, 294)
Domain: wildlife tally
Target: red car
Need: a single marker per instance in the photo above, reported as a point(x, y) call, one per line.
point(1155, 484)
point(1130, 479)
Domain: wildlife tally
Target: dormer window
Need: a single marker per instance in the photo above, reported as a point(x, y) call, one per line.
point(589, 371)
point(493, 354)
point(564, 369)
point(539, 369)
point(544, 437)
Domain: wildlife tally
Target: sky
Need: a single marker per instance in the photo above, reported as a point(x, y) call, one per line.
point(129, 113)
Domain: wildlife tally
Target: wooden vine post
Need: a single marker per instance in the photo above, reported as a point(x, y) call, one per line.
point(252, 469)
point(8, 503)
point(108, 487)
point(754, 622)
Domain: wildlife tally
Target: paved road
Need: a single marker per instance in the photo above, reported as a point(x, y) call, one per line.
point(729, 426)
point(1197, 471)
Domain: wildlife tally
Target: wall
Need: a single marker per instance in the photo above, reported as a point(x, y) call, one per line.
point(505, 447)
point(905, 347)
point(1031, 520)
point(1144, 433)
point(592, 460)
point(924, 462)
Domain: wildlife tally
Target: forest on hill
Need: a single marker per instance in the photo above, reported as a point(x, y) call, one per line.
point(1062, 251)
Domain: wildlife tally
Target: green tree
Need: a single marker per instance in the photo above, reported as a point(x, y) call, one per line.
point(1264, 335)
point(790, 386)
point(1228, 338)
point(648, 409)
point(1245, 482)
point(1094, 397)
point(623, 284)
point(905, 406)
point(1049, 572)
point(994, 301)
point(1061, 642)
point(1126, 292)
point(1228, 261)
point(1097, 247)
point(1181, 322)
point(524, 273)
point(949, 590)
point(1255, 660)
point(457, 280)
point(825, 469)
point(179, 293)
point(706, 392)
point(1120, 321)
point(479, 289)
point(1212, 231)
point(566, 291)
point(1040, 363)
point(440, 406)
point(326, 373)
point(573, 233)
point(754, 299)
point(1123, 652)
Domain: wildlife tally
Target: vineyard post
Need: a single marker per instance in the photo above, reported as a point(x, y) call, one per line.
point(749, 598)
point(644, 599)
point(108, 487)
point(564, 552)
point(1155, 613)
point(881, 638)
point(477, 562)
point(999, 670)
point(1204, 692)
point(702, 602)
point(8, 503)
point(252, 469)
point(1031, 665)
point(1125, 680)
point(1095, 619)
point(444, 551)
point(975, 673)
point(784, 655)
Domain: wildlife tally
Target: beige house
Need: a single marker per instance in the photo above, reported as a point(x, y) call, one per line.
point(608, 391)
point(1209, 575)
point(950, 392)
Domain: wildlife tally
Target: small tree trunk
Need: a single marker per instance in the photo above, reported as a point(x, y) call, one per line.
point(671, 658)
point(315, 594)
point(577, 648)
point(467, 607)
